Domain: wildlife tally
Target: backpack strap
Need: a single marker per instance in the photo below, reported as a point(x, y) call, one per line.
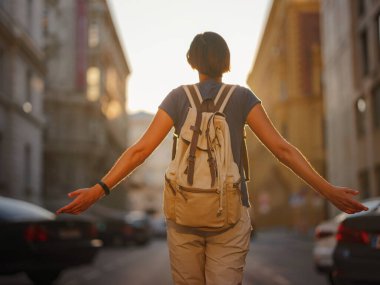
point(195, 99)
point(193, 95)
point(175, 140)
point(244, 157)
point(219, 95)
point(222, 99)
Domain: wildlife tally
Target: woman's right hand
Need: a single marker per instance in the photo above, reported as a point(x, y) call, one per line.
point(343, 199)
point(83, 199)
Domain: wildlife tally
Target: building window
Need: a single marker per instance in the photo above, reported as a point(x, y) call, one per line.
point(376, 107)
point(361, 7)
point(2, 72)
point(93, 35)
point(93, 83)
point(360, 112)
point(364, 56)
point(377, 178)
point(285, 131)
point(378, 32)
point(29, 16)
point(2, 159)
point(27, 106)
point(28, 86)
point(324, 133)
point(363, 178)
point(27, 170)
point(283, 91)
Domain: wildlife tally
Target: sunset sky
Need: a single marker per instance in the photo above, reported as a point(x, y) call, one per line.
point(156, 35)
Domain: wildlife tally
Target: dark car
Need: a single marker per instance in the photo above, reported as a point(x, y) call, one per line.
point(114, 231)
point(357, 253)
point(141, 225)
point(158, 226)
point(324, 245)
point(33, 241)
point(125, 228)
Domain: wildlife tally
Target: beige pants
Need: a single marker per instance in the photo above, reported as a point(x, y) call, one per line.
point(199, 258)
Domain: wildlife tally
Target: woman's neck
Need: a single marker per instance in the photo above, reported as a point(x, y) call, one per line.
point(205, 77)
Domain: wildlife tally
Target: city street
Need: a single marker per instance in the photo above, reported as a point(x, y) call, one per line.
point(275, 258)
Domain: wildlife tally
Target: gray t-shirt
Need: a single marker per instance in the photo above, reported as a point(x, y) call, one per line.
point(176, 105)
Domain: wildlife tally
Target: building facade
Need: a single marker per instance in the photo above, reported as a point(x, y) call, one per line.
point(22, 75)
point(351, 53)
point(286, 75)
point(85, 101)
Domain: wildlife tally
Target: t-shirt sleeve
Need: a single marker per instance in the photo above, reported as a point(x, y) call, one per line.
point(170, 105)
point(249, 100)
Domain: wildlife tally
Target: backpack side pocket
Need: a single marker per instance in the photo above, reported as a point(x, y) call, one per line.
point(233, 203)
point(169, 200)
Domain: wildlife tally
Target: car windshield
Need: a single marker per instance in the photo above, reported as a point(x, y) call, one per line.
point(20, 211)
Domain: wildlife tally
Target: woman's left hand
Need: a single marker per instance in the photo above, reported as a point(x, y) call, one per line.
point(84, 198)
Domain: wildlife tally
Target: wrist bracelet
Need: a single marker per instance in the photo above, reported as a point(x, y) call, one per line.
point(105, 187)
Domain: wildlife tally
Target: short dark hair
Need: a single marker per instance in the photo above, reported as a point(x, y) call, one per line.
point(209, 54)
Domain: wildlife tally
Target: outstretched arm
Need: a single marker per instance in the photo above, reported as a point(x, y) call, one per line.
point(289, 155)
point(127, 162)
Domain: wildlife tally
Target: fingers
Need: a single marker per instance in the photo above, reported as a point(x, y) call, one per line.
point(71, 208)
point(79, 204)
point(352, 207)
point(75, 193)
point(351, 191)
point(351, 204)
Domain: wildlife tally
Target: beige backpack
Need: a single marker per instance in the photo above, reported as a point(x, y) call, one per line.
point(202, 182)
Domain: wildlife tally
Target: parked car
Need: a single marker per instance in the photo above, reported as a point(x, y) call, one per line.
point(357, 253)
point(325, 240)
point(324, 245)
point(33, 241)
point(114, 231)
point(158, 227)
point(125, 228)
point(142, 229)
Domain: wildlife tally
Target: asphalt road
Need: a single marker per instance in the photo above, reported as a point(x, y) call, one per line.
point(275, 258)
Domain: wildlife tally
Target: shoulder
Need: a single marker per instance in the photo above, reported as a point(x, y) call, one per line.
point(241, 90)
point(244, 93)
point(175, 95)
point(178, 91)
point(242, 101)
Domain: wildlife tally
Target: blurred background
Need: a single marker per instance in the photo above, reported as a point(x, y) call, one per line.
point(80, 81)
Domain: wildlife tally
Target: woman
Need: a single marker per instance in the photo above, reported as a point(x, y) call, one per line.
point(199, 257)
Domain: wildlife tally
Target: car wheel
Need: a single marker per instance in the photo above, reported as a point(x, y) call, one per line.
point(43, 277)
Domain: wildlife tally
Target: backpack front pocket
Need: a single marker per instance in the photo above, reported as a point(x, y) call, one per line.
point(199, 208)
